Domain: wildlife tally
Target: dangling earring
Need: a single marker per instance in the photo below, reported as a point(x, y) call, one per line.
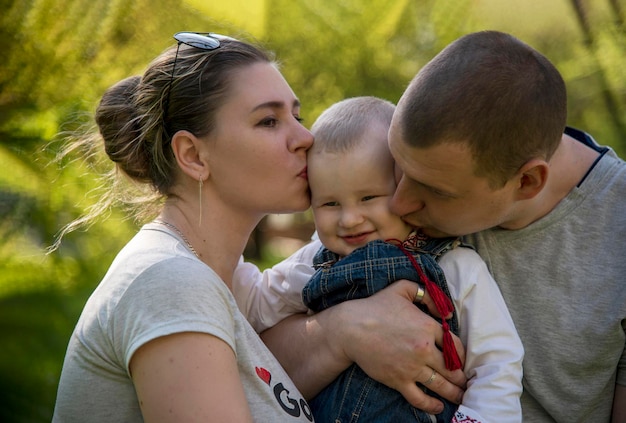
point(200, 200)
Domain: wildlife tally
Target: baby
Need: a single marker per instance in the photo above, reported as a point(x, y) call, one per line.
point(366, 247)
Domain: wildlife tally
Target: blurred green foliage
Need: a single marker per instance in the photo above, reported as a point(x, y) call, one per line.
point(60, 55)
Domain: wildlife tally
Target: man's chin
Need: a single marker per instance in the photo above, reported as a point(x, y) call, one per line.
point(434, 233)
point(428, 230)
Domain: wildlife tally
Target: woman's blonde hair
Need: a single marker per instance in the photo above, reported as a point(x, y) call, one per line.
point(137, 117)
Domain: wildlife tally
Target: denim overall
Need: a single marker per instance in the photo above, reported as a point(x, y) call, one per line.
point(354, 396)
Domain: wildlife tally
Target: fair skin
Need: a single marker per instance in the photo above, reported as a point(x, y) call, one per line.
point(252, 164)
point(350, 193)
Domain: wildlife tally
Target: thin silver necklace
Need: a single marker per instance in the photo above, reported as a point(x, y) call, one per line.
point(178, 231)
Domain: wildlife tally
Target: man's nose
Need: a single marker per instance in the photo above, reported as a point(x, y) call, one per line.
point(404, 202)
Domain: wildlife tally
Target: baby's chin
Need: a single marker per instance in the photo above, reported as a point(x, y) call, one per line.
point(348, 249)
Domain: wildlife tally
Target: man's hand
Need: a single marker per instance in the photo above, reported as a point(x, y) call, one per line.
point(396, 344)
point(427, 301)
point(390, 338)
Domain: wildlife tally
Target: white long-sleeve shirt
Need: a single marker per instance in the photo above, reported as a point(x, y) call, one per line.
point(494, 351)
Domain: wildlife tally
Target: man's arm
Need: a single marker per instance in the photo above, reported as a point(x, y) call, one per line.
point(386, 335)
point(619, 405)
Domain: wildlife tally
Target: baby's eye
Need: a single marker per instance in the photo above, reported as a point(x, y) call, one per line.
point(298, 118)
point(330, 204)
point(368, 197)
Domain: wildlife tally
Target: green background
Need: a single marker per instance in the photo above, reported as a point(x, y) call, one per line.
point(59, 56)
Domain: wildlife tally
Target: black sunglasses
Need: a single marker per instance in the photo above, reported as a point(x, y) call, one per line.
point(201, 40)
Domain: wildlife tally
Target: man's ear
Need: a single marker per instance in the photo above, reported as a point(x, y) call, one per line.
point(532, 178)
point(187, 150)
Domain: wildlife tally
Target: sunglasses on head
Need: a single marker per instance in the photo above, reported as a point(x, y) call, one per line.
point(201, 40)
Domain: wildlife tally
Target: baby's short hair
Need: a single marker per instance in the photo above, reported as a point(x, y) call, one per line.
point(340, 127)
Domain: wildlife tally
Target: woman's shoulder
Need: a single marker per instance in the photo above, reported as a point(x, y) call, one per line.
point(154, 264)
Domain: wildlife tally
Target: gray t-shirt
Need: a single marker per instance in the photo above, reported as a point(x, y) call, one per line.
point(564, 281)
point(156, 287)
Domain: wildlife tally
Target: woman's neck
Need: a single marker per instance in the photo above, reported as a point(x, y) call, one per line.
point(218, 240)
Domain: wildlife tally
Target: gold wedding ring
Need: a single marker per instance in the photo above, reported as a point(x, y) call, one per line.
point(430, 379)
point(419, 295)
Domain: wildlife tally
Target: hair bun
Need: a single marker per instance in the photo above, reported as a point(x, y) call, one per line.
point(117, 120)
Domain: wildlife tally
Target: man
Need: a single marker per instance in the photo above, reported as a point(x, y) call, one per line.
point(479, 135)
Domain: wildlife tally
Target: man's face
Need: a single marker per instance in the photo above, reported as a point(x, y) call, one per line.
point(439, 192)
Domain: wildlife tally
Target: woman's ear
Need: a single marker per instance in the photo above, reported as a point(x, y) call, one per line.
point(188, 150)
point(532, 178)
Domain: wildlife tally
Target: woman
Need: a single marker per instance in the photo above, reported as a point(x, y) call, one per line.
point(213, 127)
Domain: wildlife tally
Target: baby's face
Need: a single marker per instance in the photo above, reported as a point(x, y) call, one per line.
point(350, 194)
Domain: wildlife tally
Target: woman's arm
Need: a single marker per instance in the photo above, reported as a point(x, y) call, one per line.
point(386, 335)
point(189, 377)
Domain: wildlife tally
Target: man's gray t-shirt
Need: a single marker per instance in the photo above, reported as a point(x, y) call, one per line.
point(564, 281)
